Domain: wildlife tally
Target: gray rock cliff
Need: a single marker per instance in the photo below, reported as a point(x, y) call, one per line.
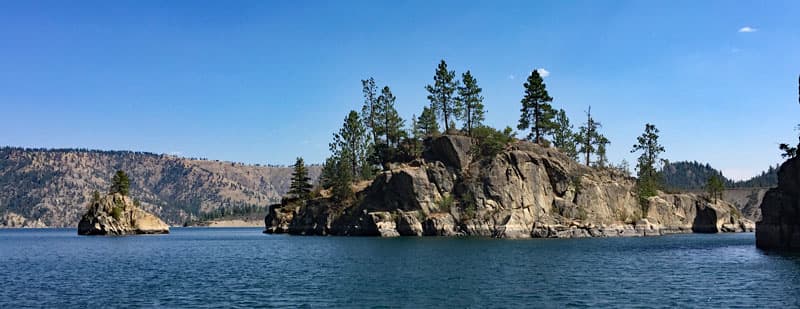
point(779, 227)
point(525, 191)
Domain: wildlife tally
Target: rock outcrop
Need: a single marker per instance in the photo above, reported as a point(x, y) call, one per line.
point(14, 220)
point(779, 227)
point(116, 214)
point(525, 191)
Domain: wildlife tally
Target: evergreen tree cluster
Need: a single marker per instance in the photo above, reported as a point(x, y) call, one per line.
point(378, 135)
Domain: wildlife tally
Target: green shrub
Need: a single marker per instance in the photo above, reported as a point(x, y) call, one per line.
point(489, 141)
point(116, 212)
point(445, 203)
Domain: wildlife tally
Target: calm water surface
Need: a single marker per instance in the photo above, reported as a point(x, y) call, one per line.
point(201, 267)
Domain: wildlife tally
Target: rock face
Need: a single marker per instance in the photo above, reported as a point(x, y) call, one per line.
point(14, 220)
point(525, 191)
point(779, 227)
point(117, 215)
point(747, 200)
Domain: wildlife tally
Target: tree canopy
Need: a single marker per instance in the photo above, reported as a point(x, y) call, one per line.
point(563, 137)
point(120, 183)
point(441, 95)
point(471, 102)
point(301, 184)
point(648, 162)
point(536, 114)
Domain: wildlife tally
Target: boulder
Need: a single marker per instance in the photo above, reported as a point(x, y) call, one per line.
point(278, 219)
point(452, 150)
point(408, 224)
point(439, 224)
point(383, 223)
point(116, 214)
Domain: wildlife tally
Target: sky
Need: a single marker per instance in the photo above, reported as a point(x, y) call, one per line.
point(268, 81)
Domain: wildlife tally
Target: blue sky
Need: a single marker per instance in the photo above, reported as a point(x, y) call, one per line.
point(266, 81)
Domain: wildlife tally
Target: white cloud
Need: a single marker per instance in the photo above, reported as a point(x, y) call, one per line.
point(511, 76)
point(747, 29)
point(543, 72)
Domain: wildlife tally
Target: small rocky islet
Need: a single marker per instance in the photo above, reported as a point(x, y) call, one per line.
point(525, 191)
point(118, 214)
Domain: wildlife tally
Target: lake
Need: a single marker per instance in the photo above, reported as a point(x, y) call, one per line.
point(241, 267)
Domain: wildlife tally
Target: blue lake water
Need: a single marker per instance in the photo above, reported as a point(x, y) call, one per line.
point(204, 267)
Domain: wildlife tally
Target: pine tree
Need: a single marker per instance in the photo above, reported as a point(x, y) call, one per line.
point(441, 95)
point(120, 183)
point(563, 137)
point(337, 176)
point(427, 123)
point(416, 131)
point(602, 159)
point(714, 187)
point(590, 139)
point(369, 112)
point(301, 185)
point(471, 101)
point(351, 146)
point(328, 174)
point(647, 165)
point(391, 123)
point(537, 113)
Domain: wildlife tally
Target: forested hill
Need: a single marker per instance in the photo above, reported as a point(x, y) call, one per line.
point(686, 175)
point(41, 187)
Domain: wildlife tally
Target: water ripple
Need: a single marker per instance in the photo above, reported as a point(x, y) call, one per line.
point(241, 268)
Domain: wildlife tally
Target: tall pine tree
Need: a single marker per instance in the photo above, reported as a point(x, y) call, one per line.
point(352, 147)
point(563, 137)
point(471, 101)
point(648, 163)
point(441, 95)
point(590, 139)
point(369, 112)
point(537, 113)
point(427, 123)
point(301, 184)
point(120, 183)
point(391, 124)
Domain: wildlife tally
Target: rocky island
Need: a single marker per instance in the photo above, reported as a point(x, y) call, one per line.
point(118, 214)
point(525, 191)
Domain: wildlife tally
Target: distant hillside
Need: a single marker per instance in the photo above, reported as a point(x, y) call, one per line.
point(768, 178)
point(40, 187)
point(689, 175)
point(686, 175)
